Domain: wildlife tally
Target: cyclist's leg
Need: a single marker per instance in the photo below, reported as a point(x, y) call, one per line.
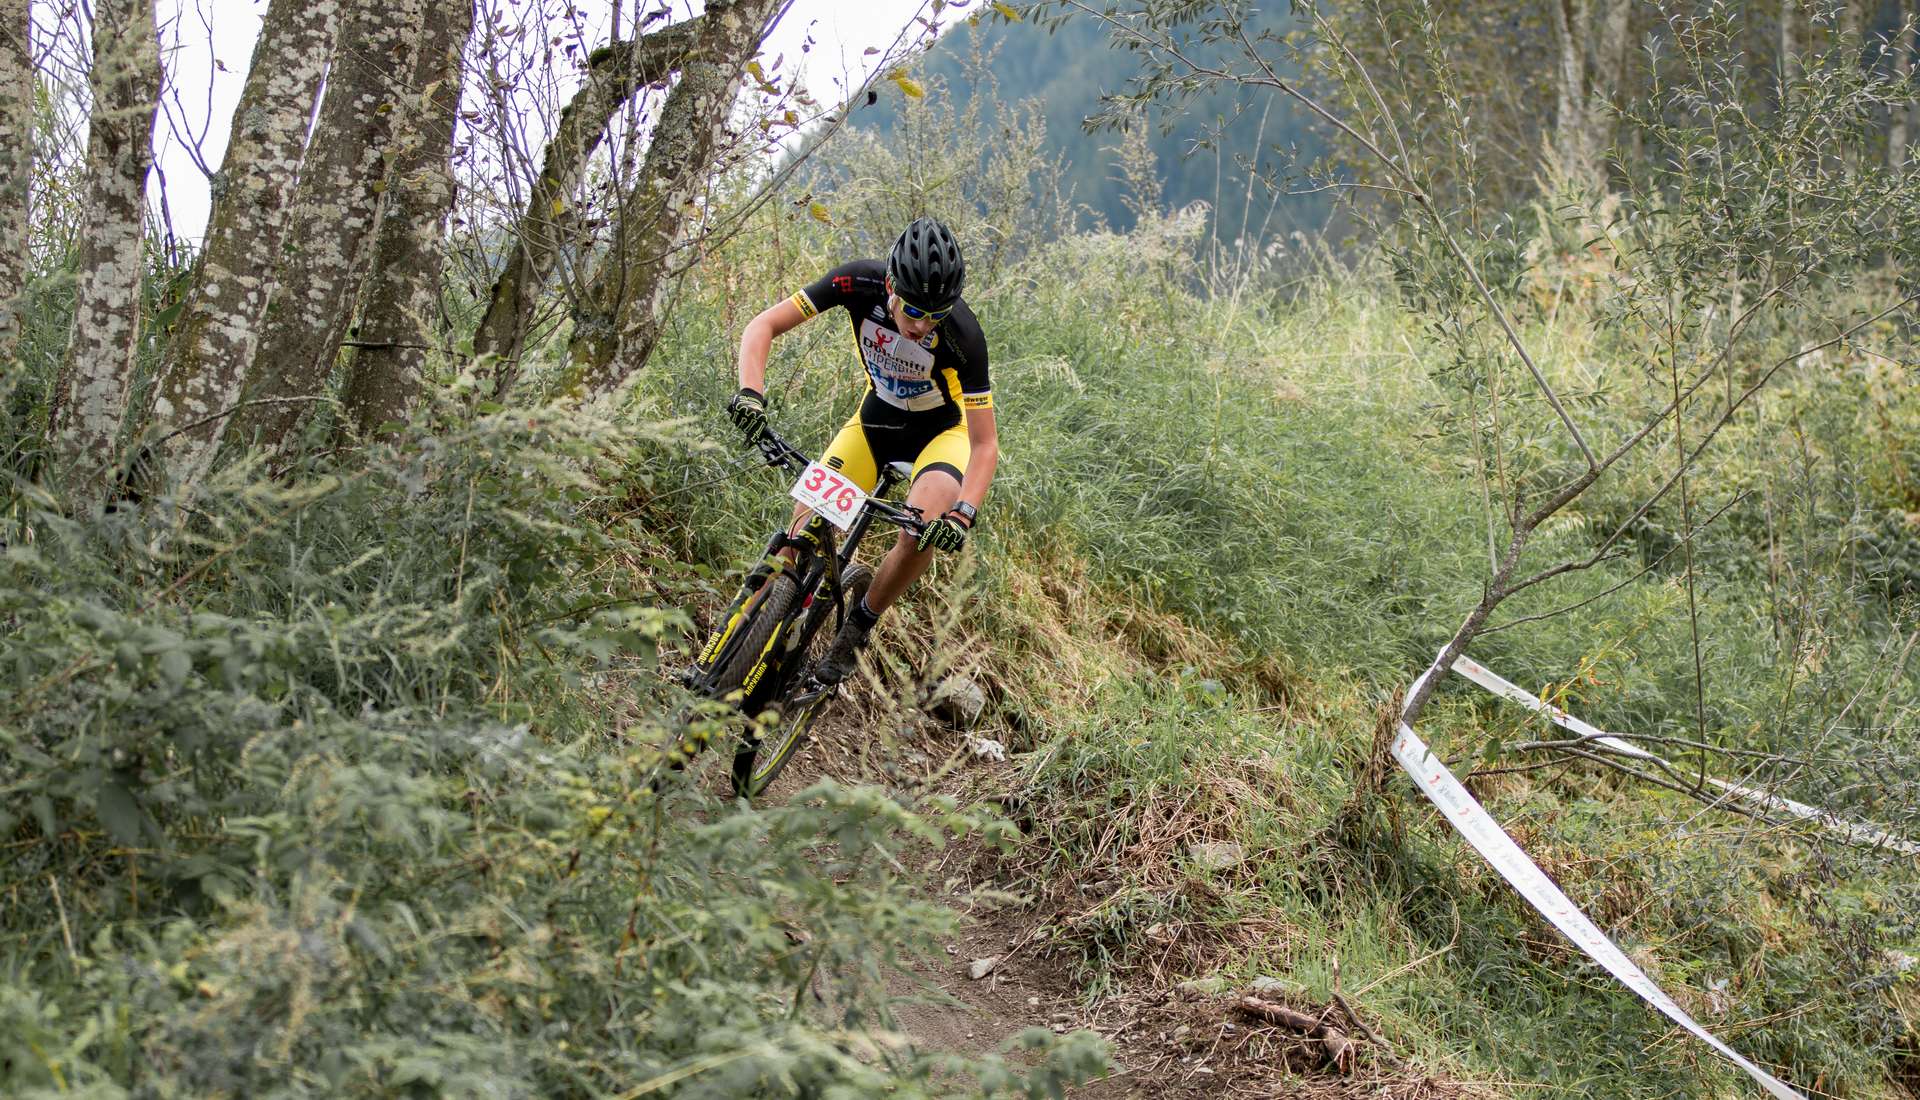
point(851, 455)
point(942, 462)
point(937, 474)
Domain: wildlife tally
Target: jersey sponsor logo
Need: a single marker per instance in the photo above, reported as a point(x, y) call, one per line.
point(976, 400)
point(902, 372)
point(804, 304)
point(879, 313)
point(843, 283)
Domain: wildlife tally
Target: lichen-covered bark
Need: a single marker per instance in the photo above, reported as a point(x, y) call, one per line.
point(619, 320)
point(16, 164)
point(614, 74)
point(325, 255)
point(218, 331)
point(402, 297)
point(90, 396)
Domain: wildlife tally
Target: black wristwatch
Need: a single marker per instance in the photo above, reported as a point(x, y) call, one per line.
point(967, 510)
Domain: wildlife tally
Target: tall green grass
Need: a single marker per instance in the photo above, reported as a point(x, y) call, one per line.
point(1193, 489)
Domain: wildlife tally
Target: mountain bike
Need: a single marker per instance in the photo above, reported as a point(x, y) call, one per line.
point(760, 658)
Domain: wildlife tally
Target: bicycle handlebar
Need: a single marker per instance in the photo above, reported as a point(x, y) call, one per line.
point(781, 453)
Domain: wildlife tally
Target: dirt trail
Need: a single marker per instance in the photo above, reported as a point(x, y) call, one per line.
point(1023, 990)
point(1165, 1043)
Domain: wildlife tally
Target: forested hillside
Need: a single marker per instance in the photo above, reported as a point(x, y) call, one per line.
point(1248, 158)
point(370, 570)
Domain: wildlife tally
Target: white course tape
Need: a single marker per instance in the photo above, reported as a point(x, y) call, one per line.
point(1438, 784)
point(1849, 831)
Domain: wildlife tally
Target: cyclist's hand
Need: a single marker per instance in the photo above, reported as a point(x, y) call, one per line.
point(949, 532)
point(748, 411)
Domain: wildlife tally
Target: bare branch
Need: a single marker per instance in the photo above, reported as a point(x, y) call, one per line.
point(1725, 417)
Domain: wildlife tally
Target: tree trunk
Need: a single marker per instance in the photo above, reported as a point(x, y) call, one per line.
point(1900, 134)
point(331, 231)
point(90, 397)
point(618, 323)
point(1789, 44)
point(400, 318)
point(215, 341)
point(1569, 86)
point(614, 75)
point(16, 167)
point(1591, 40)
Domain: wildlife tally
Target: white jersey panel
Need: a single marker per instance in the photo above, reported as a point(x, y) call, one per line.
point(902, 371)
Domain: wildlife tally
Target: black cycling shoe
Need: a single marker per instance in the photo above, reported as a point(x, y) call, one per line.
point(839, 662)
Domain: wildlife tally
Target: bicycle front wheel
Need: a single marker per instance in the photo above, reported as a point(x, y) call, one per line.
point(734, 663)
point(750, 639)
point(759, 761)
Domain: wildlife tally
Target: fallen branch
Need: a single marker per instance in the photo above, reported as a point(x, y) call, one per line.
point(1333, 1042)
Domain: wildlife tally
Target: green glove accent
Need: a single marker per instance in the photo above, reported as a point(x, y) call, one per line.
point(748, 411)
point(949, 532)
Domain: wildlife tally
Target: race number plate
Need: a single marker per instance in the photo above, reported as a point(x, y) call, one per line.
point(830, 494)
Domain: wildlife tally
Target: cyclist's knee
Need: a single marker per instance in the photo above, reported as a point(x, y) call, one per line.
point(934, 491)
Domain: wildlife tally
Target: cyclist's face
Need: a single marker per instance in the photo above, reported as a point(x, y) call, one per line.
point(913, 328)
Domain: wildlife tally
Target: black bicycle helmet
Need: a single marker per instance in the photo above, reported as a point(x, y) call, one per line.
point(926, 266)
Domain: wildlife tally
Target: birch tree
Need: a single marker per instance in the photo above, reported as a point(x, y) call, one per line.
point(16, 166)
point(331, 230)
point(220, 328)
point(1790, 43)
point(619, 319)
point(90, 397)
point(402, 300)
point(614, 75)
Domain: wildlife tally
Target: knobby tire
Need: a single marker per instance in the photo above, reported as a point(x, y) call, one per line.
point(759, 762)
point(760, 616)
point(737, 650)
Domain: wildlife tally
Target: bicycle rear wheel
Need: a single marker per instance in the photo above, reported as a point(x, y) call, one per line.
point(758, 762)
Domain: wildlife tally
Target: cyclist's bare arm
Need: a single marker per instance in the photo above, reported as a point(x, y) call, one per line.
point(757, 341)
point(983, 437)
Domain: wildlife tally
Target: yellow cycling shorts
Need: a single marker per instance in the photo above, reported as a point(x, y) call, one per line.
point(860, 449)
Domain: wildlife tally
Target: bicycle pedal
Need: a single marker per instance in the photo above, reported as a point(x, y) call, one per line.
point(811, 692)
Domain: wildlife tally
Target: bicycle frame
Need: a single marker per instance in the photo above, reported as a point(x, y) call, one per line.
point(818, 573)
point(818, 567)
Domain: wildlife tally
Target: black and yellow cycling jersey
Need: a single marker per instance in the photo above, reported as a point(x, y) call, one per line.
point(917, 393)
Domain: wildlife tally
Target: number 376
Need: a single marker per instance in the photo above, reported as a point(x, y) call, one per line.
point(837, 492)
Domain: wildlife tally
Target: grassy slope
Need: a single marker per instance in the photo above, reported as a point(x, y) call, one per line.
point(346, 791)
point(1222, 536)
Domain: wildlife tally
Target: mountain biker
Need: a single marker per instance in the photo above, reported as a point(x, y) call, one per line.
point(928, 402)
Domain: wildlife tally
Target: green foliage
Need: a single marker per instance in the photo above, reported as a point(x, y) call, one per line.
point(1324, 479)
point(311, 790)
point(337, 780)
point(984, 166)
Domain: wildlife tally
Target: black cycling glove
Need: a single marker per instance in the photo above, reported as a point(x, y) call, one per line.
point(949, 532)
point(748, 411)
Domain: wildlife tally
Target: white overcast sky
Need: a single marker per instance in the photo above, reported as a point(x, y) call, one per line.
point(209, 43)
